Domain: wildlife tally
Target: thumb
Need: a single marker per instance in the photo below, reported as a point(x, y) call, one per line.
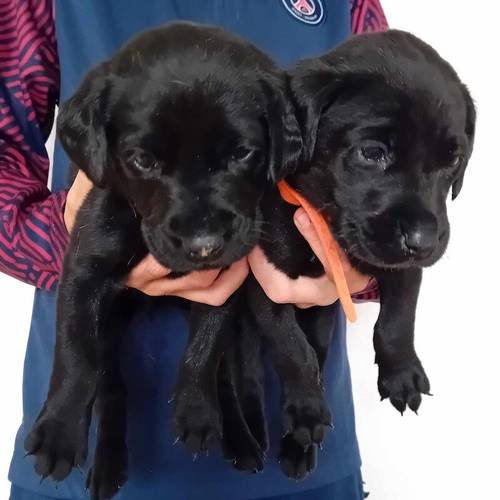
point(307, 230)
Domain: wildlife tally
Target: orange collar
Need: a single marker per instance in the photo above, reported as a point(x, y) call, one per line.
point(331, 248)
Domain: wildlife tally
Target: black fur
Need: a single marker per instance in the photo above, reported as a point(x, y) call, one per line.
point(388, 130)
point(180, 131)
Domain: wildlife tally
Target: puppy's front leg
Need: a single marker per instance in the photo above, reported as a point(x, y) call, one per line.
point(306, 415)
point(241, 397)
point(106, 241)
point(401, 376)
point(59, 436)
point(197, 420)
point(317, 323)
point(109, 470)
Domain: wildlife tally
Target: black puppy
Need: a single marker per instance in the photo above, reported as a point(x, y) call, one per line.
point(388, 130)
point(179, 131)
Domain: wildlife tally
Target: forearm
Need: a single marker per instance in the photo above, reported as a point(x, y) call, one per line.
point(371, 293)
point(32, 231)
point(33, 237)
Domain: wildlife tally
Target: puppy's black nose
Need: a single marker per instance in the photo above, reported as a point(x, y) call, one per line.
point(420, 239)
point(204, 247)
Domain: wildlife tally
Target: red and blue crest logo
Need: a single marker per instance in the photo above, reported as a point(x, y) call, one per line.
point(307, 11)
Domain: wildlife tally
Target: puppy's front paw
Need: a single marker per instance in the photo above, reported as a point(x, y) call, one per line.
point(243, 451)
point(109, 472)
point(295, 461)
point(403, 383)
point(306, 417)
point(197, 421)
point(58, 445)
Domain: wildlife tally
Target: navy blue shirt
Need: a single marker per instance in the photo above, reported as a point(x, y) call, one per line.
point(88, 32)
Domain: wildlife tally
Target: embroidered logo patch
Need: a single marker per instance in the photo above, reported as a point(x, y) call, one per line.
point(307, 11)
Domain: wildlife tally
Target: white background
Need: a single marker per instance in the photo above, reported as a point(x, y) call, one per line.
point(450, 451)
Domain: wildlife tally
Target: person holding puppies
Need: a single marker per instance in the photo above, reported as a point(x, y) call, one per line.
point(48, 51)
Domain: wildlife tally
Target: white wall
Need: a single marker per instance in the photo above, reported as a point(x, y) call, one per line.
point(451, 450)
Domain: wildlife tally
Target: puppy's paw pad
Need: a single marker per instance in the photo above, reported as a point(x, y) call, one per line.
point(197, 422)
point(404, 384)
point(306, 418)
point(296, 462)
point(57, 447)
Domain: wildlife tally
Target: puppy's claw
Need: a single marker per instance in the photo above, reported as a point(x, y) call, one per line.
point(414, 402)
point(195, 457)
point(399, 405)
point(176, 441)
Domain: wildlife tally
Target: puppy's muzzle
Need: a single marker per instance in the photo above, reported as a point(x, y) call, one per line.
point(418, 238)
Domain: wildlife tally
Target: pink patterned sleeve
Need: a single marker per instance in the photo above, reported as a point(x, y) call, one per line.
point(32, 231)
point(369, 294)
point(367, 16)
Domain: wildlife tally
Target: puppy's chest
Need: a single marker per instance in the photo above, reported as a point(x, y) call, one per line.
point(108, 228)
point(282, 243)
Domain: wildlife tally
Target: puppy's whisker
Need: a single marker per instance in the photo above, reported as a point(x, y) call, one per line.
point(263, 222)
point(132, 206)
point(179, 82)
point(262, 236)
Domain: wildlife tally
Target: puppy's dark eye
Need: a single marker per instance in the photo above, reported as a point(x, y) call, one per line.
point(141, 160)
point(374, 154)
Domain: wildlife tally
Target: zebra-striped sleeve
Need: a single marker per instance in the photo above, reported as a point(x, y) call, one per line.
point(367, 16)
point(32, 231)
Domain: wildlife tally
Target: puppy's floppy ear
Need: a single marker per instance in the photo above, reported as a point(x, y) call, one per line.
point(470, 130)
point(285, 139)
point(314, 85)
point(81, 125)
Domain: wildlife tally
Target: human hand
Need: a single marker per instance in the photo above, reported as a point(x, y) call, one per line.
point(212, 287)
point(304, 292)
point(76, 194)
